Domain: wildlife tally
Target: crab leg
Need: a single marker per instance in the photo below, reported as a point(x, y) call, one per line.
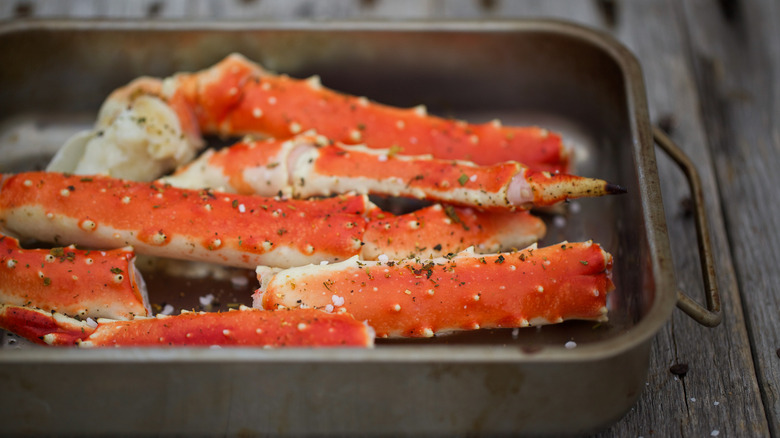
point(244, 327)
point(419, 298)
point(235, 230)
point(71, 281)
point(237, 96)
point(509, 185)
point(308, 166)
point(238, 230)
point(150, 125)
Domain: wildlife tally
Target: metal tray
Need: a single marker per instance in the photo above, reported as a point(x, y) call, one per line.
point(564, 77)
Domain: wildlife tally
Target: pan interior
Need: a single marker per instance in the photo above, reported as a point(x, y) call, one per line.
point(553, 80)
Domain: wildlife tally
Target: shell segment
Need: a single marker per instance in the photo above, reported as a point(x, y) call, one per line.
point(72, 281)
point(160, 220)
point(228, 96)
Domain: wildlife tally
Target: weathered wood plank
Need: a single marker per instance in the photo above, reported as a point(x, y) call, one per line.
point(719, 392)
point(736, 53)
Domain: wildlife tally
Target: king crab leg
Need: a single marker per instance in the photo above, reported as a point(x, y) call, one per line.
point(239, 230)
point(237, 96)
point(420, 298)
point(307, 165)
point(71, 281)
point(234, 230)
point(244, 327)
point(151, 126)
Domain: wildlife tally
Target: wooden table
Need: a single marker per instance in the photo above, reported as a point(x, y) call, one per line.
point(712, 70)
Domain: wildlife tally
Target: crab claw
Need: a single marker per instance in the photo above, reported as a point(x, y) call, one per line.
point(308, 165)
point(420, 298)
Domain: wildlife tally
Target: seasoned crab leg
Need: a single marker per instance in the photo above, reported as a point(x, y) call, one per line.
point(150, 125)
point(238, 230)
point(234, 230)
point(419, 298)
point(236, 96)
point(307, 166)
point(244, 327)
point(71, 281)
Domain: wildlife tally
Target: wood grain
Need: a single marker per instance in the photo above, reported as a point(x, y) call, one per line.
point(736, 55)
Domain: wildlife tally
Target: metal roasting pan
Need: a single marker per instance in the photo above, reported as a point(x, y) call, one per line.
point(54, 76)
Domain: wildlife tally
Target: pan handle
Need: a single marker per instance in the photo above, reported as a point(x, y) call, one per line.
point(712, 315)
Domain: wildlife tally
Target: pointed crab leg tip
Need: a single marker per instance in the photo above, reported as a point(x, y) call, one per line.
point(615, 189)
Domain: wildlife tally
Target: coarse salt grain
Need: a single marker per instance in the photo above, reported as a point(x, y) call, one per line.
point(92, 323)
point(383, 258)
point(337, 300)
point(239, 281)
point(206, 300)
point(329, 308)
point(167, 310)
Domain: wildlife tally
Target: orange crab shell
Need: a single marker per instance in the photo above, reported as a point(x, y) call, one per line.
point(236, 97)
point(245, 327)
point(156, 219)
point(72, 281)
point(439, 230)
point(419, 298)
point(308, 165)
point(35, 325)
